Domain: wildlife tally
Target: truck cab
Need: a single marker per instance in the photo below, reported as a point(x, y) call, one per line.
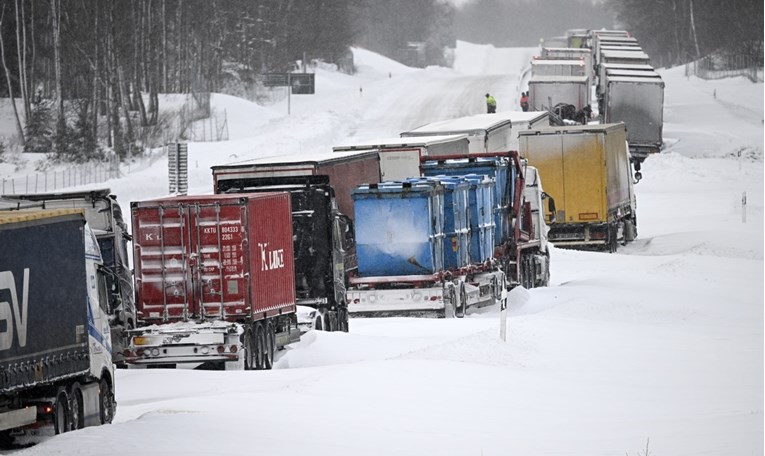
point(324, 243)
point(104, 216)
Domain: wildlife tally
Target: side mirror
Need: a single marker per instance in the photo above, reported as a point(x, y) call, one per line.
point(638, 176)
point(551, 209)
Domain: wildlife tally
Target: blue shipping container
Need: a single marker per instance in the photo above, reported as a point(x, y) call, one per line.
point(480, 202)
point(399, 228)
point(504, 185)
point(456, 224)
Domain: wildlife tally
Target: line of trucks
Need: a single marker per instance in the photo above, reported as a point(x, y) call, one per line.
point(438, 221)
point(627, 88)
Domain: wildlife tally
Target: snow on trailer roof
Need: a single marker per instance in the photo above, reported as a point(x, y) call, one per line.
point(642, 79)
point(478, 122)
point(591, 128)
point(627, 66)
point(289, 159)
point(612, 72)
point(546, 61)
point(637, 55)
point(564, 49)
point(553, 79)
point(616, 39)
point(28, 216)
point(388, 143)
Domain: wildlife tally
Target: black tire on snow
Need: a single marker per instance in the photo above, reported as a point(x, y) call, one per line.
point(105, 402)
point(61, 421)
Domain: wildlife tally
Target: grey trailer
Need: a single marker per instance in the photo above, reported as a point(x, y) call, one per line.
point(547, 91)
point(639, 103)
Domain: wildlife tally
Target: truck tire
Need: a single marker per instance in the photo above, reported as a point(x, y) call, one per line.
point(77, 407)
point(462, 301)
point(342, 319)
point(105, 401)
point(613, 243)
point(260, 346)
point(318, 323)
point(270, 346)
point(61, 422)
point(248, 341)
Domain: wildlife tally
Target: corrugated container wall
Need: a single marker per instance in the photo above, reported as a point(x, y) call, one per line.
point(226, 257)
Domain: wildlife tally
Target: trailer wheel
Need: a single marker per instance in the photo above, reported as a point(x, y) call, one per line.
point(249, 347)
point(260, 346)
point(463, 301)
point(77, 406)
point(329, 321)
point(342, 319)
point(105, 402)
point(613, 243)
point(318, 323)
point(270, 346)
point(61, 421)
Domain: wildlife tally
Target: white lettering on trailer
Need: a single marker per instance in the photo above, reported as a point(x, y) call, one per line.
point(19, 316)
point(270, 259)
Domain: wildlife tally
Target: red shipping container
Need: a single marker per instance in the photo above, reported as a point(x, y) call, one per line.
point(213, 257)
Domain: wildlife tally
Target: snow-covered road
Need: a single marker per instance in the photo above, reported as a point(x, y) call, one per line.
point(662, 341)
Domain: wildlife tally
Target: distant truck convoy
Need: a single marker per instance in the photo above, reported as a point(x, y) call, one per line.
point(587, 170)
point(487, 133)
point(56, 370)
point(104, 216)
point(214, 280)
point(400, 157)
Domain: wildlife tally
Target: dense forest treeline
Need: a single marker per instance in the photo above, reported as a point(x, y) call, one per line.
point(85, 75)
point(88, 72)
point(674, 32)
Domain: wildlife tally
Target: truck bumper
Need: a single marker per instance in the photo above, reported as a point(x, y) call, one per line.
point(12, 419)
point(178, 345)
point(412, 301)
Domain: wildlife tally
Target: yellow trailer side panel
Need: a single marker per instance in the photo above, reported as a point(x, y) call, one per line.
point(583, 178)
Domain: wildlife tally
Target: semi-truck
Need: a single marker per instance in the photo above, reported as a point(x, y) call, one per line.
point(56, 369)
point(487, 133)
point(104, 216)
point(587, 170)
point(324, 245)
point(400, 157)
point(451, 241)
point(214, 281)
point(638, 101)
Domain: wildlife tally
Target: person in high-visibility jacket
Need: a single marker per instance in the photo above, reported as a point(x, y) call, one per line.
point(491, 104)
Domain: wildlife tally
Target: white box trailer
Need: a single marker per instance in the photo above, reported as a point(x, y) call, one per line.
point(639, 103)
point(585, 54)
point(400, 157)
point(621, 66)
point(547, 91)
point(559, 67)
point(486, 132)
point(618, 56)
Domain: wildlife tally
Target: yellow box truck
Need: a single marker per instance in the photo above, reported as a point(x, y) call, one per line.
point(586, 169)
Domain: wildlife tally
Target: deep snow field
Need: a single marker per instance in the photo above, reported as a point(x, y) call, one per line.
point(660, 344)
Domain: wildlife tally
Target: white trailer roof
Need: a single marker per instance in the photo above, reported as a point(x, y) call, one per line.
point(323, 156)
point(390, 143)
point(628, 66)
point(568, 50)
point(613, 72)
point(552, 79)
point(638, 55)
point(543, 62)
point(478, 122)
point(640, 79)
